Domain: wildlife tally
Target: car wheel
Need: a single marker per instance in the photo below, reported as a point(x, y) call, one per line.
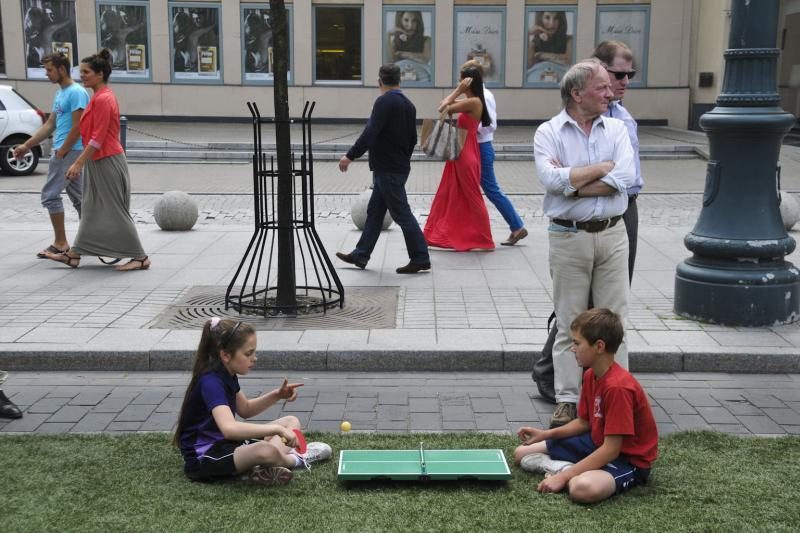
point(18, 167)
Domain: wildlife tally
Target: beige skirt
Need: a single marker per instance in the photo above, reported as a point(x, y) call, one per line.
point(106, 228)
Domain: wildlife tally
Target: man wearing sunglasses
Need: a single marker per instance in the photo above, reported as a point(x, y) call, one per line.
point(619, 60)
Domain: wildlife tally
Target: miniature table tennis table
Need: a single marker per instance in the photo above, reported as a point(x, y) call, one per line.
point(423, 465)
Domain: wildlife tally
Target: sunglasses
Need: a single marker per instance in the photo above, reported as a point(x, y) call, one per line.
point(620, 75)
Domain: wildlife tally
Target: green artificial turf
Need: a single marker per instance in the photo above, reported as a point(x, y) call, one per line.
point(702, 482)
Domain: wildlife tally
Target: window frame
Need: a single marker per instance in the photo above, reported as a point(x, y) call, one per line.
point(501, 9)
point(640, 81)
point(148, 52)
point(525, 24)
point(196, 81)
point(425, 8)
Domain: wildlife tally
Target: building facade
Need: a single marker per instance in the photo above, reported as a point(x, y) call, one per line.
point(204, 58)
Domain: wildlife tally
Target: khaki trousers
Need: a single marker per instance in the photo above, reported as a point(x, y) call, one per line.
point(581, 264)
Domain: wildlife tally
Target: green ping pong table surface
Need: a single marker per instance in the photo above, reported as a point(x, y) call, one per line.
point(423, 464)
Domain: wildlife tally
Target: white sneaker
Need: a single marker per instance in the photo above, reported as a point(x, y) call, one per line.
point(315, 452)
point(540, 463)
point(269, 475)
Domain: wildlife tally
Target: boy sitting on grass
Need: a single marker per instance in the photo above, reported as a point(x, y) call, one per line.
point(611, 446)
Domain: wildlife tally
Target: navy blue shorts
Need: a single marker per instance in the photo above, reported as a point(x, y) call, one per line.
point(217, 463)
point(574, 449)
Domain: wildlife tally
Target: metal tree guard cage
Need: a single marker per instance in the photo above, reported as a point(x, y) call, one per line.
point(254, 286)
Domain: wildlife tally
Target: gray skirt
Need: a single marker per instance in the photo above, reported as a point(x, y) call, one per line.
point(106, 226)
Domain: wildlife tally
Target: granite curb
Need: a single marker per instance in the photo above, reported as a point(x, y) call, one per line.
point(376, 359)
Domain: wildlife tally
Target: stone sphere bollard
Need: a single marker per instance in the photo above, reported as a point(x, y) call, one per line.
point(790, 210)
point(175, 211)
point(358, 211)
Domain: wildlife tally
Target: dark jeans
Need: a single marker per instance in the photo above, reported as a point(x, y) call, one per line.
point(543, 366)
point(389, 192)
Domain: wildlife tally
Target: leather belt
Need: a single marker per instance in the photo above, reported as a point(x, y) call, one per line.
point(590, 226)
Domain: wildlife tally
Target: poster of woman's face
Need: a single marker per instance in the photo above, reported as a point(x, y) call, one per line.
point(409, 44)
point(629, 26)
point(122, 28)
point(549, 53)
point(195, 43)
point(257, 44)
point(479, 36)
point(49, 27)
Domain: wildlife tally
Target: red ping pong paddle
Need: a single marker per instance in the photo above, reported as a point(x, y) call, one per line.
point(301, 441)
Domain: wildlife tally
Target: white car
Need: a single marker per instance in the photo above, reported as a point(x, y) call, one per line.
point(19, 119)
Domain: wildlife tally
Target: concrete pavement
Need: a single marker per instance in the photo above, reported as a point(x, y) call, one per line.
point(473, 311)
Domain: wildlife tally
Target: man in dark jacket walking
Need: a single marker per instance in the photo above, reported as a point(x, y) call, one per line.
point(390, 137)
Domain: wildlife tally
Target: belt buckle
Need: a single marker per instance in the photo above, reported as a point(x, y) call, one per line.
point(595, 226)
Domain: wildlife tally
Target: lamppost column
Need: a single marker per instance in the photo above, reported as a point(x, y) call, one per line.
point(737, 275)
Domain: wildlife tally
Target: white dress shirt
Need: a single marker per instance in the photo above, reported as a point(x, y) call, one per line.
point(486, 133)
point(562, 139)
point(616, 110)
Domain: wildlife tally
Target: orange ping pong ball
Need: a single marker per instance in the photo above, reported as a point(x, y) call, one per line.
point(345, 427)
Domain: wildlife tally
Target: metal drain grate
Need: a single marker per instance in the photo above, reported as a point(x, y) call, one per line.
point(365, 308)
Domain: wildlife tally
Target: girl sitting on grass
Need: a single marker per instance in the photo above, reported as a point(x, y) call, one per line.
point(214, 444)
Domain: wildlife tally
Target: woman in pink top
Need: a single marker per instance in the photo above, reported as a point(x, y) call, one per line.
point(106, 228)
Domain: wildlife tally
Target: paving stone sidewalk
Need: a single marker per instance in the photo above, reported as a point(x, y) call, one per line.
point(473, 311)
point(111, 402)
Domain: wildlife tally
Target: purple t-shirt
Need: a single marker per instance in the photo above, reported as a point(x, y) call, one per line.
point(200, 431)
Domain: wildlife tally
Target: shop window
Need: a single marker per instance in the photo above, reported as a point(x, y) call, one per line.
point(408, 43)
point(122, 28)
point(631, 25)
point(337, 41)
point(550, 48)
point(258, 63)
point(49, 27)
point(196, 43)
point(479, 34)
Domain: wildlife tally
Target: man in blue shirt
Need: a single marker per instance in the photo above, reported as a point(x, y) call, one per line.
point(390, 136)
point(64, 124)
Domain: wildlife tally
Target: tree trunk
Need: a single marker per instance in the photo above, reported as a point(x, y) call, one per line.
point(286, 290)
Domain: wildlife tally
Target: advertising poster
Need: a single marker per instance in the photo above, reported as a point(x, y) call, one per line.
point(479, 35)
point(629, 25)
point(257, 44)
point(550, 46)
point(49, 25)
point(195, 42)
point(122, 28)
point(409, 43)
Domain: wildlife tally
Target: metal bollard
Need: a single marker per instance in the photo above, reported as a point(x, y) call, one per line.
point(123, 132)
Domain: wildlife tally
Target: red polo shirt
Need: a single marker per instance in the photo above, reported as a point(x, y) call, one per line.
point(616, 404)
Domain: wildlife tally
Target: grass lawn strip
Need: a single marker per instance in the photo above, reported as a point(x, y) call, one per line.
point(702, 482)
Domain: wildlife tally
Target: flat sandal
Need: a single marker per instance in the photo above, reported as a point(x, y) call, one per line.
point(143, 265)
point(65, 258)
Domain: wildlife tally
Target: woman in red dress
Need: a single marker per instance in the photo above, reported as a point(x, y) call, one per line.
point(458, 218)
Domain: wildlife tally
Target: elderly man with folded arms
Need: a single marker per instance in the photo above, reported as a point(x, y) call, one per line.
point(585, 162)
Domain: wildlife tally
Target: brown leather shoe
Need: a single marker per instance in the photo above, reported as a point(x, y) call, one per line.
point(515, 237)
point(564, 414)
point(351, 259)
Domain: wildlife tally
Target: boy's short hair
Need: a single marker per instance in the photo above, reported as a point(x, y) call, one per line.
point(600, 324)
point(58, 60)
